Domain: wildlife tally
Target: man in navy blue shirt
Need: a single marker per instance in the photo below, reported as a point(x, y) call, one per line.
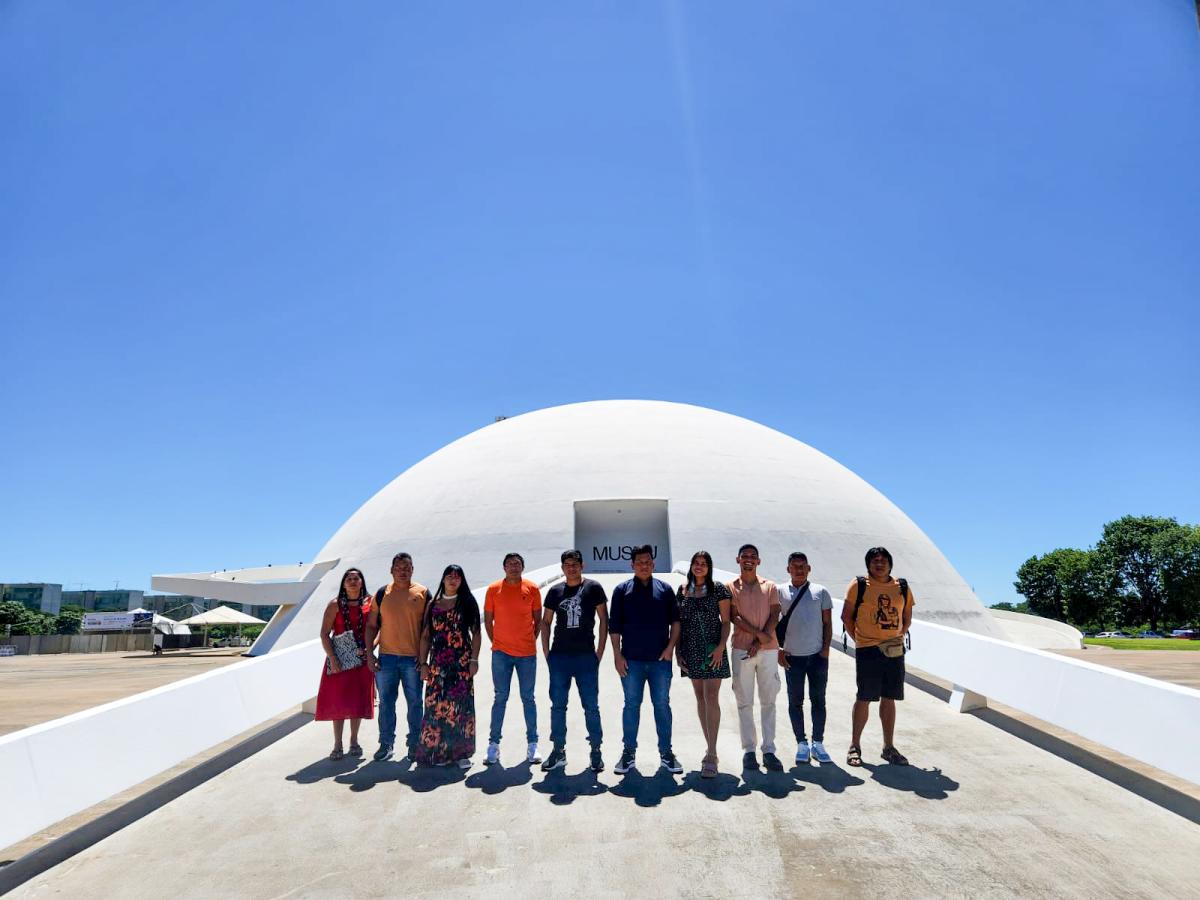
point(643, 625)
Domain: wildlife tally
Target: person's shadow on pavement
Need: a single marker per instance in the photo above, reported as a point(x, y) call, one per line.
point(829, 777)
point(563, 788)
point(928, 783)
point(775, 785)
point(324, 768)
point(497, 779)
point(648, 791)
point(720, 788)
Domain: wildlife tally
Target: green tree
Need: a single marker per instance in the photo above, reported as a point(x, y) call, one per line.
point(1012, 607)
point(69, 620)
point(1177, 551)
point(24, 620)
point(1130, 552)
point(1065, 584)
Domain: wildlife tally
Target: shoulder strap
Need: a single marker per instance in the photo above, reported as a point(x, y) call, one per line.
point(862, 592)
point(782, 624)
point(379, 605)
point(903, 588)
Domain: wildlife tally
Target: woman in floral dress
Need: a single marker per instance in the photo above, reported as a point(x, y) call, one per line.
point(449, 659)
point(703, 631)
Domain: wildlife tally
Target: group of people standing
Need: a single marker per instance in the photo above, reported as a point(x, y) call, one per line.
point(405, 637)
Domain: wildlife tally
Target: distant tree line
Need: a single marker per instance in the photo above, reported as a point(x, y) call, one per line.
point(1144, 570)
point(30, 621)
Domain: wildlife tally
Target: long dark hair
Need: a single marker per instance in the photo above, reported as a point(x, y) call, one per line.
point(363, 595)
point(465, 604)
point(708, 579)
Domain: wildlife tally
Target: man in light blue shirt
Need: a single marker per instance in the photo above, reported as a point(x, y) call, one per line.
point(806, 631)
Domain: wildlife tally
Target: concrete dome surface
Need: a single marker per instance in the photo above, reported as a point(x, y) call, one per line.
point(605, 475)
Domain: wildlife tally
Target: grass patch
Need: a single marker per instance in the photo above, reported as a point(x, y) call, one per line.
point(1144, 643)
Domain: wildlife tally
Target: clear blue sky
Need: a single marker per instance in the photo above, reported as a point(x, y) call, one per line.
point(257, 259)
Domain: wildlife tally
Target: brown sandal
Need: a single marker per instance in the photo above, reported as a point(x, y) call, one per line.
point(894, 756)
point(854, 756)
point(708, 767)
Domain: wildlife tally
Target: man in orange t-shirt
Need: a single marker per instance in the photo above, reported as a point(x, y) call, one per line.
point(512, 613)
point(883, 617)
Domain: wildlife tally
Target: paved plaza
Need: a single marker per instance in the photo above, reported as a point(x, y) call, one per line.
point(980, 813)
point(35, 689)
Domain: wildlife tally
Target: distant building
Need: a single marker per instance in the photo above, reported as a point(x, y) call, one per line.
point(177, 606)
point(47, 598)
point(104, 601)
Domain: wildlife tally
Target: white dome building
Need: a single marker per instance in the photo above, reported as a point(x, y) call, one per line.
point(606, 475)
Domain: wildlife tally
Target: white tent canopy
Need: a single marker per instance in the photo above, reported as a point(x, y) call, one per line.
point(222, 615)
point(165, 625)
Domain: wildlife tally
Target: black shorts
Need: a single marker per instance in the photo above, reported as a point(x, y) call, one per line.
point(878, 675)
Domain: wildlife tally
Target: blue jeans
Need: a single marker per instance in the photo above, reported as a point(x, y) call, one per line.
point(658, 674)
point(393, 672)
point(502, 669)
point(816, 669)
point(585, 669)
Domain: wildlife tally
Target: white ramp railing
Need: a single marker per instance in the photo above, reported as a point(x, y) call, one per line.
point(1150, 720)
point(56, 769)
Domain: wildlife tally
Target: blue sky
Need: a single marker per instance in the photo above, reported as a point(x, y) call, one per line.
point(257, 259)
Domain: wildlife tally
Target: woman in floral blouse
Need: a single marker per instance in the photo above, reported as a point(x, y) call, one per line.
point(449, 660)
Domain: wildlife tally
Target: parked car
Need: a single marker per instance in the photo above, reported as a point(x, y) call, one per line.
point(1150, 634)
point(1112, 634)
point(1184, 633)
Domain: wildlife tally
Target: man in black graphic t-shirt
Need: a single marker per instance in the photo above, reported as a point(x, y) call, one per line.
point(572, 607)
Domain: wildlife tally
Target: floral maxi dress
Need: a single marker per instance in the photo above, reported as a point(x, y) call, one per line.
point(448, 726)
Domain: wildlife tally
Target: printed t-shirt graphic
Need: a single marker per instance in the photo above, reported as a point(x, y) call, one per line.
point(513, 606)
point(575, 616)
point(881, 613)
point(400, 625)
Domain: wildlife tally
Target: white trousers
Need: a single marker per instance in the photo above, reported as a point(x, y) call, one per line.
point(761, 669)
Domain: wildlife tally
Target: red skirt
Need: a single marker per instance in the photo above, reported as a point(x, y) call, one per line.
point(346, 695)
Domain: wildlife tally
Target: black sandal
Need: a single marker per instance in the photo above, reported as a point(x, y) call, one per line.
point(336, 754)
point(894, 756)
point(854, 756)
point(355, 750)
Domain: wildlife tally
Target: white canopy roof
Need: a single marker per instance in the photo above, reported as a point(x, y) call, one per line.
point(223, 615)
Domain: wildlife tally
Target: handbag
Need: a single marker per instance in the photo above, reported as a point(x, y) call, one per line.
point(347, 644)
point(782, 625)
point(345, 648)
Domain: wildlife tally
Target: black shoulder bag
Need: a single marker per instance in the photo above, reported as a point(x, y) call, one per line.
point(782, 624)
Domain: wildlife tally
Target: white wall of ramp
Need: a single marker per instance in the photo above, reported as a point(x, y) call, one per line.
point(58, 768)
point(1154, 721)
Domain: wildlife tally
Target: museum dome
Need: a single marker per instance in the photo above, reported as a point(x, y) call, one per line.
point(605, 475)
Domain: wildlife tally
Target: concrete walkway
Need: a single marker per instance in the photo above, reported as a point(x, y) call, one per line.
point(979, 814)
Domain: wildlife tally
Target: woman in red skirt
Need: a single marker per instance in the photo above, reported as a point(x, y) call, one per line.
point(347, 688)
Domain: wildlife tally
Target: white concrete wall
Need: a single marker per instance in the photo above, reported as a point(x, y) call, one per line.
point(1037, 631)
point(56, 769)
point(1151, 720)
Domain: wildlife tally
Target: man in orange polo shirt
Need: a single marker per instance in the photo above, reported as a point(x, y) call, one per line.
point(512, 613)
point(396, 617)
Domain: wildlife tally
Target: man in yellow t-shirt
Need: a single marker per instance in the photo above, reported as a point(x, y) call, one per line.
point(879, 622)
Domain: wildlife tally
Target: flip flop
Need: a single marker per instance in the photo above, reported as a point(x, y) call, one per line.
point(894, 756)
point(854, 756)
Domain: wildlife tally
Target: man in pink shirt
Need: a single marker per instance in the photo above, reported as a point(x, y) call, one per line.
point(754, 612)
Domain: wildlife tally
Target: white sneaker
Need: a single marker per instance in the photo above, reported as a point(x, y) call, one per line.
point(533, 756)
point(818, 752)
point(464, 764)
point(493, 755)
point(802, 752)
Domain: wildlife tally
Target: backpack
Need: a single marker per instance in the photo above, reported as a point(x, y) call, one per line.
point(858, 602)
